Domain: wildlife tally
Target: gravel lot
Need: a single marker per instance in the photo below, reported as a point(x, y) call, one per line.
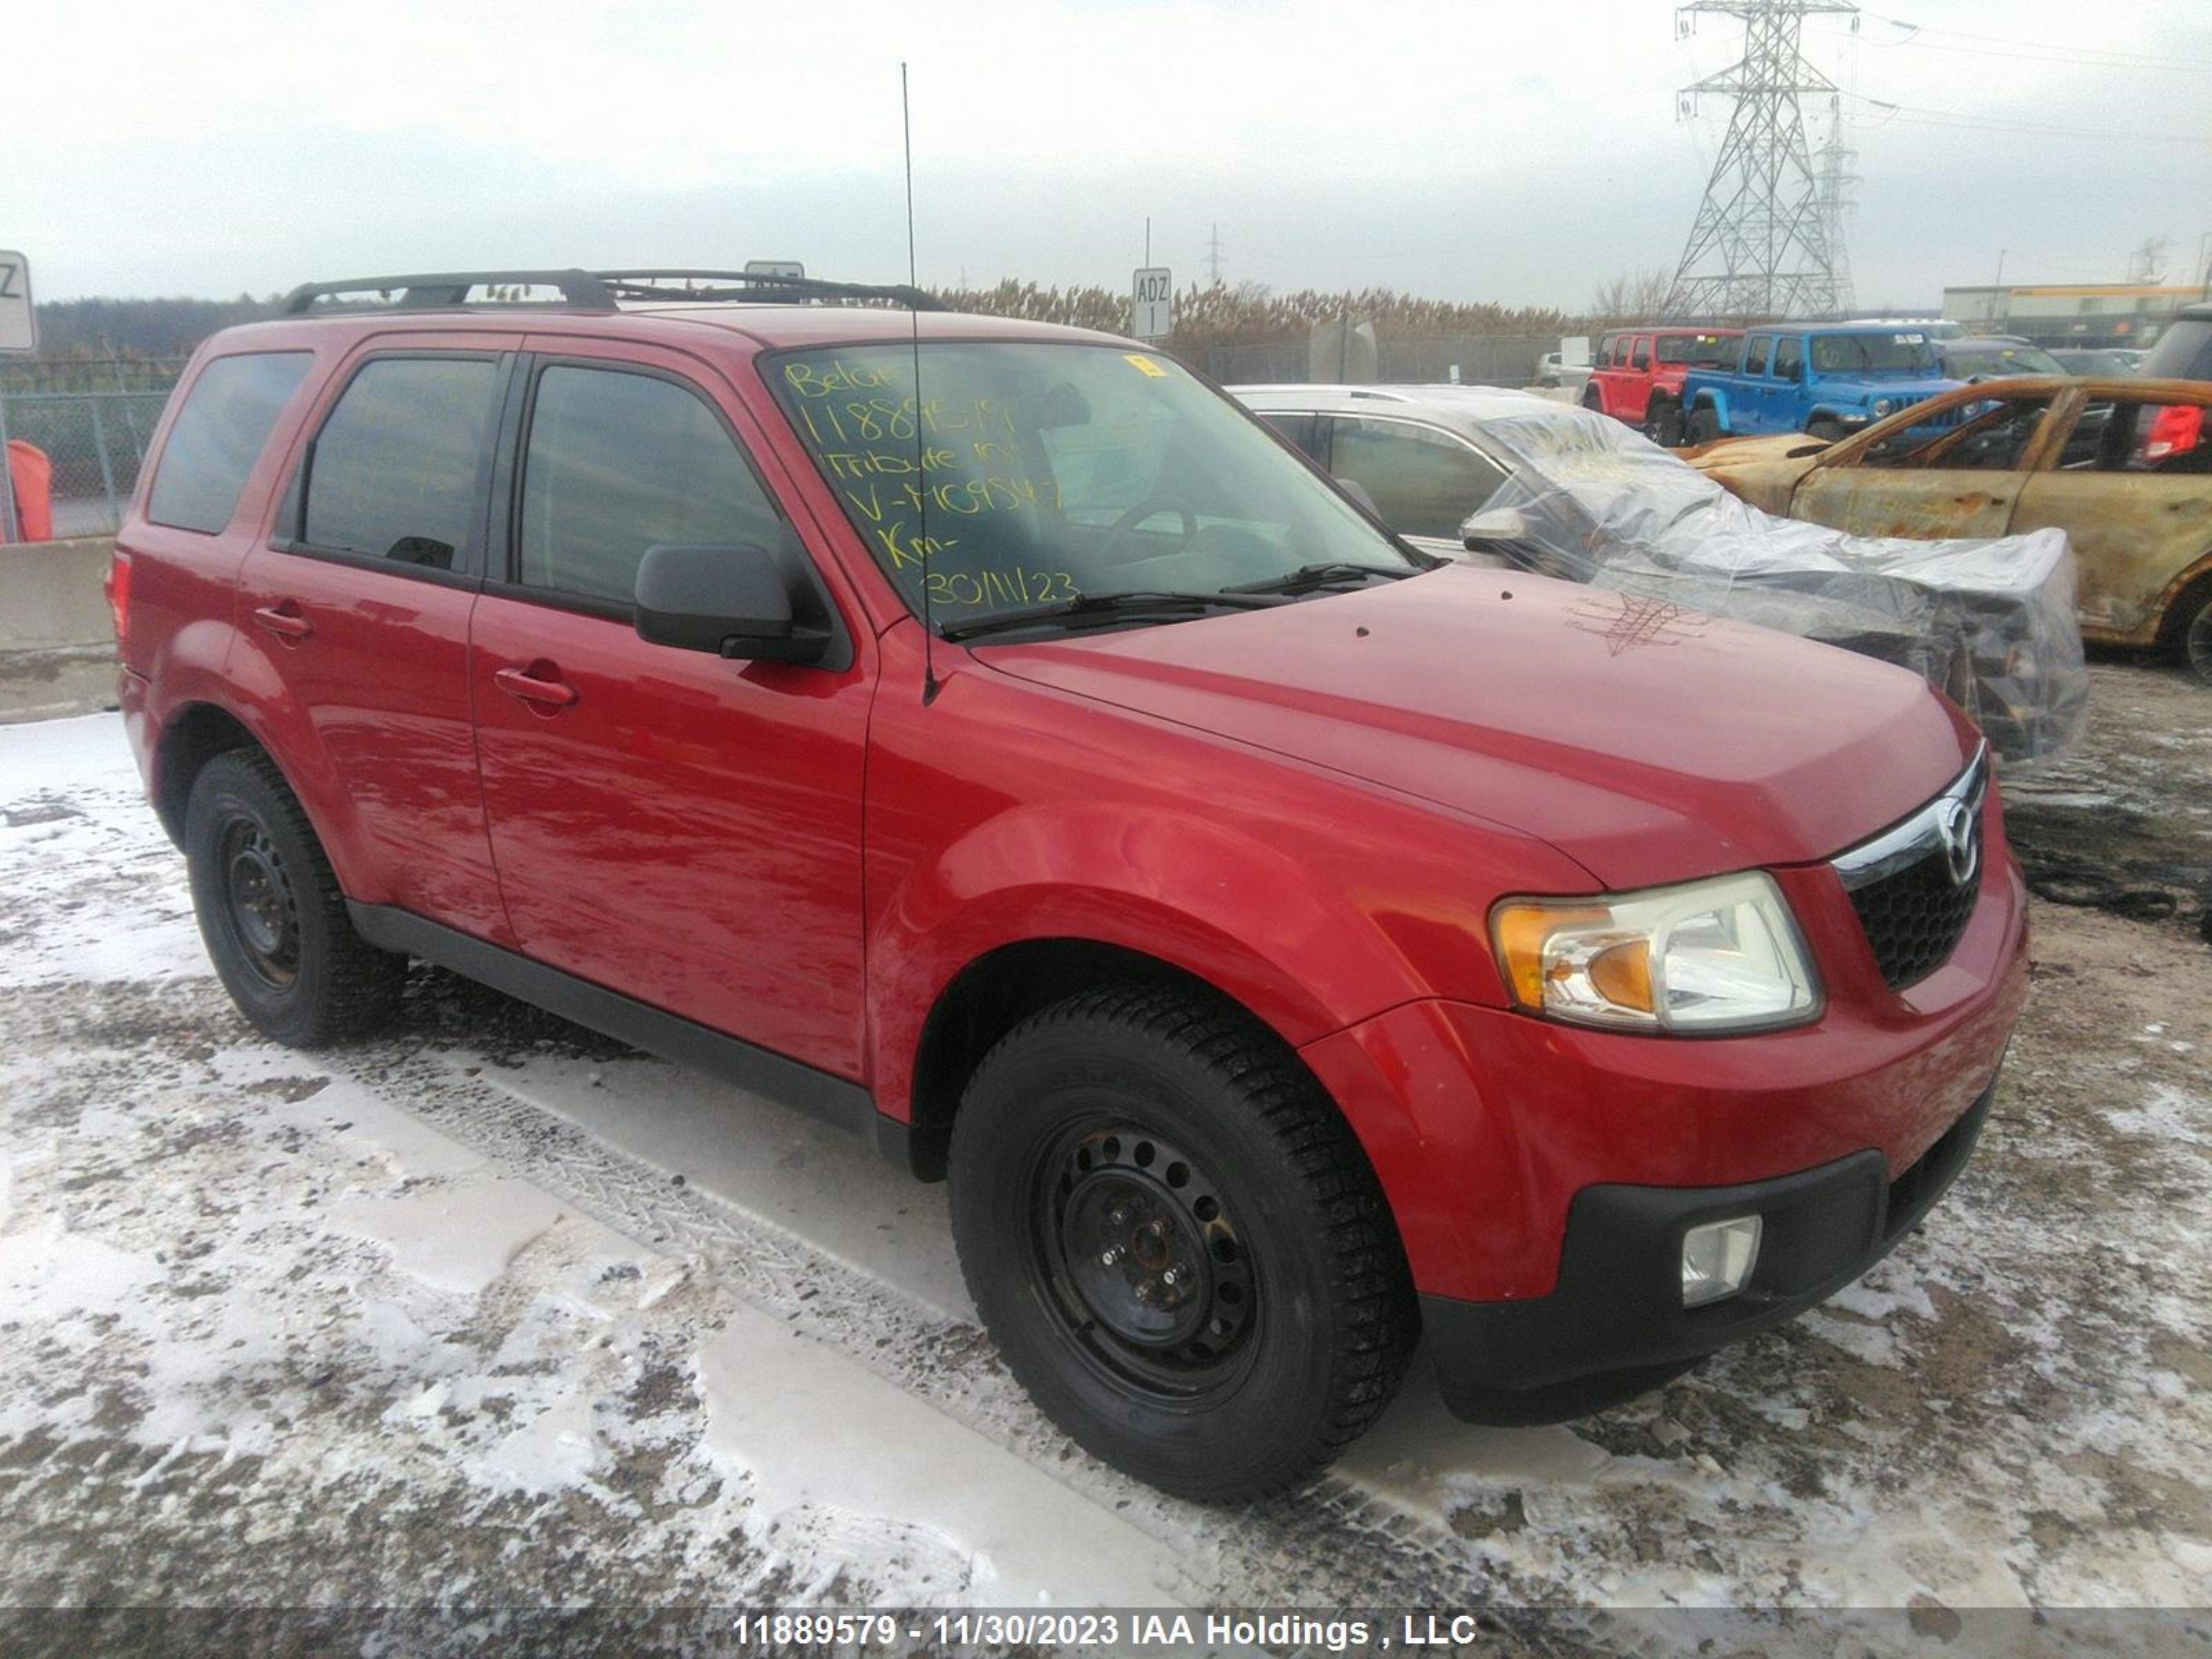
point(494, 1313)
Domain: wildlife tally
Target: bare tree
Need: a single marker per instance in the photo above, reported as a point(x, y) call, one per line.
point(1635, 296)
point(2147, 265)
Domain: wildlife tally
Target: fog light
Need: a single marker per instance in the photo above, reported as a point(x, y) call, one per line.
point(1717, 1259)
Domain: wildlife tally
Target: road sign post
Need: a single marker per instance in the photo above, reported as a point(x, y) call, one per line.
point(19, 337)
point(1153, 304)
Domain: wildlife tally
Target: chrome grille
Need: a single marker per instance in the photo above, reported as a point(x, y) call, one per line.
point(1914, 884)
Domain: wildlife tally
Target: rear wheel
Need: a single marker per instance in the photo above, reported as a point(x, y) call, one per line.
point(1704, 426)
point(270, 912)
point(1662, 423)
point(2197, 636)
point(1177, 1244)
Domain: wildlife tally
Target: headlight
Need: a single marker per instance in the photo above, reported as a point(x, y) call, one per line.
point(1709, 956)
point(1884, 406)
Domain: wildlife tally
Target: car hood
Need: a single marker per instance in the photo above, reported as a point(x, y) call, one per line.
point(1649, 743)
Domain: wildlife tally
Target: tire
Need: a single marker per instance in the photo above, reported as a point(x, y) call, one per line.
point(1827, 432)
point(1593, 400)
point(1662, 423)
point(2192, 629)
point(270, 913)
point(1136, 1130)
point(1704, 426)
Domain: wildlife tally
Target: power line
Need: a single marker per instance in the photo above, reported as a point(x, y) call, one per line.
point(1915, 115)
point(2062, 53)
point(2069, 59)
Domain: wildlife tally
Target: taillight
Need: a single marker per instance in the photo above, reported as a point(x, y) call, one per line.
point(118, 589)
point(2174, 431)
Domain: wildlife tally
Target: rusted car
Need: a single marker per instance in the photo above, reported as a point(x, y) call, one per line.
point(2123, 465)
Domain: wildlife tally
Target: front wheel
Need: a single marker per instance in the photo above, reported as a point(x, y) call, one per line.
point(1827, 432)
point(270, 913)
point(1177, 1244)
point(1593, 400)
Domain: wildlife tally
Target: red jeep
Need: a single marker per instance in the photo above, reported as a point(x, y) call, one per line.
point(990, 735)
point(1637, 374)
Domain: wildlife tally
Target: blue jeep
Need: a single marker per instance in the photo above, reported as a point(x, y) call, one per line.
point(1822, 378)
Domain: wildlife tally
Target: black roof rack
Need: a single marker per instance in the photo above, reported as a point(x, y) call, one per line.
point(600, 291)
point(445, 290)
point(754, 285)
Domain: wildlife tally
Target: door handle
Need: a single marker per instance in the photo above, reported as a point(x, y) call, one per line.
point(535, 688)
point(284, 622)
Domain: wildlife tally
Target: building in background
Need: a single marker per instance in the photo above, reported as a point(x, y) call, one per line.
point(2112, 315)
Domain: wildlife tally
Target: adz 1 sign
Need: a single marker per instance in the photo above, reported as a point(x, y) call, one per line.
point(19, 325)
point(1152, 308)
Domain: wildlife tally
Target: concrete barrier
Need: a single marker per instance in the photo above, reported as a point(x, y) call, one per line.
point(57, 639)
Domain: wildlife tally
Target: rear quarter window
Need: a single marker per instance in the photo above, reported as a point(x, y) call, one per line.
point(218, 435)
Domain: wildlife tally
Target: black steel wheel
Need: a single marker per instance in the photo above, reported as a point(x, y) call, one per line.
point(1149, 1278)
point(1177, 1243)
point(270, 913)
point(260, 911)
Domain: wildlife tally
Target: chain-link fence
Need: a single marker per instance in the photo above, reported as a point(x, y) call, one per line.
point(1508, 360)
point(94, 443)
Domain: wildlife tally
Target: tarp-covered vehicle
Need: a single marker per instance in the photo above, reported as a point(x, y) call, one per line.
point(1566, 492)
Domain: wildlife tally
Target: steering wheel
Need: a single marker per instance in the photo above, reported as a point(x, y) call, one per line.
point(1124, 527)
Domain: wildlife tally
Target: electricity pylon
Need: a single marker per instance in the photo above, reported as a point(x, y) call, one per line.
point(1764, 243)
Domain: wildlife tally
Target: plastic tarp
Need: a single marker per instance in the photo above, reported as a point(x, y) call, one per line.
point(1990, 623)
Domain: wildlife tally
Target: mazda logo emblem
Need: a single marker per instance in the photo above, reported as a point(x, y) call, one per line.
point(1960, 828)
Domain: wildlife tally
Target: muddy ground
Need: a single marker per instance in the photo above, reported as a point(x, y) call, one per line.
point(491, 1313)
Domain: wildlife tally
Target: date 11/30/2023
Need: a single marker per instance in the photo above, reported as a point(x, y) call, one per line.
point(1157, 1631)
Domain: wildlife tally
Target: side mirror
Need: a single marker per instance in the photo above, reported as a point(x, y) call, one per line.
point(736, 601)
point(1497, 524)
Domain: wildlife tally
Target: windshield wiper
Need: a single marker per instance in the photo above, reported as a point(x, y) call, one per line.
point(1318, 575)
point(1102, 604)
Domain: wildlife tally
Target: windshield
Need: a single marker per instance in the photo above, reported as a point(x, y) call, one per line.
point(1044, 472)
point(1994, 360)
point(1703, 350)
point(1906, 352)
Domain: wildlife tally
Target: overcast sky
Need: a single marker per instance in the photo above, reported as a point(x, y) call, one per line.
point(1467, 149)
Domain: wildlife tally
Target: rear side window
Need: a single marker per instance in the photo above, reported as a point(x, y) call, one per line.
point(617, 463)
point(2183, 353)
point(218, 435)
point(1296, 429)
point(1423, 481)
point(394, 472)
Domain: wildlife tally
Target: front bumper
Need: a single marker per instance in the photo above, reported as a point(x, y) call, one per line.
point(1614, 1324)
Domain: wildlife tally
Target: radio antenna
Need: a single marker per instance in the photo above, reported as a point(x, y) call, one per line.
point(921, 477)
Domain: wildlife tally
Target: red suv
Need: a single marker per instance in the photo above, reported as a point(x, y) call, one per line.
point(988, 735)
point(1637, 375)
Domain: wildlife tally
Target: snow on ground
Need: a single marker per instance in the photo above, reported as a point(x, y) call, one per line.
point(492, 1310)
